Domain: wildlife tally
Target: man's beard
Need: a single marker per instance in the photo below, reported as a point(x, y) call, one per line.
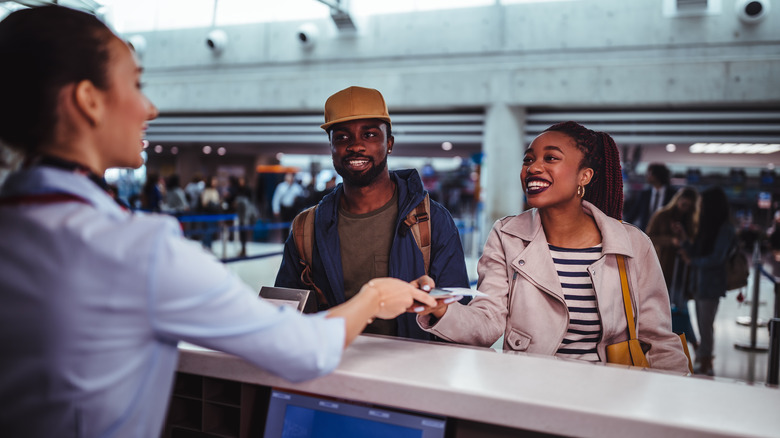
point(362, 179)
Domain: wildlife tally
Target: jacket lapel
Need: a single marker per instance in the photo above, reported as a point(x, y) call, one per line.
point(533, 262)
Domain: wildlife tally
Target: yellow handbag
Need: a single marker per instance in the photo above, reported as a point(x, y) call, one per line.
point(627, 352)
point(630, 352)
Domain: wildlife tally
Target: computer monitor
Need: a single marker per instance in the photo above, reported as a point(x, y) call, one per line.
point(298, 415)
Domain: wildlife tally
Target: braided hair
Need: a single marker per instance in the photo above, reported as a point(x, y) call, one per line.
point(605, 189)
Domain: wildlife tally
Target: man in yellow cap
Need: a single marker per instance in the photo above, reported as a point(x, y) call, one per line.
point(360, 231)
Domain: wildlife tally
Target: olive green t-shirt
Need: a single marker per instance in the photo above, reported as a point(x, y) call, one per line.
point(365, 241)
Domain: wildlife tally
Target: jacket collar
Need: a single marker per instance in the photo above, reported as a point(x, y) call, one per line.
point(615, 239)
point(410, 190)
point(410, 193)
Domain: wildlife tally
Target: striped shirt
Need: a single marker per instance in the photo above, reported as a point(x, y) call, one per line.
point(584, 322)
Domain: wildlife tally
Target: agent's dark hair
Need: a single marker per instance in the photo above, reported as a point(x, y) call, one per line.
point(605, 189)
point(660, 172)
point(43, 49)
point(713, 213)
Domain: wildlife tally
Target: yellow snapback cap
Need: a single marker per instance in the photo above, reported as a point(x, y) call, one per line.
point(355, 103)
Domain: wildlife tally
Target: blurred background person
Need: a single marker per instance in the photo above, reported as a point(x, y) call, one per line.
point(210, 198)
point(241, 202)
point(285, 201)
point(707, 254)
point(653, 198)
point(152, 193)
point(193, 191)
point(175, 197)
point(667, 229)
point(210, 204)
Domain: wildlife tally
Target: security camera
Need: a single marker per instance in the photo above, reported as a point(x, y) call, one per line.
point(217, 41)
point(138, 44)
point(752, 11)
point(307, 35)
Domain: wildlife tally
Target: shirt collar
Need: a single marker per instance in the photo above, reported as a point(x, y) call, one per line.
point(45, 179)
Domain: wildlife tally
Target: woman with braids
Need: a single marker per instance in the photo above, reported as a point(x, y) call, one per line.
point(551, 275)
point(95, 298)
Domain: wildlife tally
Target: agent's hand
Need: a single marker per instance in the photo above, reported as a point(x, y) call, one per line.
point(396, 296)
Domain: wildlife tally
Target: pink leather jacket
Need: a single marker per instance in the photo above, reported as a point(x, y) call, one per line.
point(525, 302)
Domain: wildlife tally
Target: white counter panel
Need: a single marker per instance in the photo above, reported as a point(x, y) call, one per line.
point(523, 391)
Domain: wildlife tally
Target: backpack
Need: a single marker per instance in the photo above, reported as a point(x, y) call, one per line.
point(737, 267)
point(303, 235)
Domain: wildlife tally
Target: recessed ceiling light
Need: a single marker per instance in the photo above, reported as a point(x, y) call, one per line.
point(733, 148)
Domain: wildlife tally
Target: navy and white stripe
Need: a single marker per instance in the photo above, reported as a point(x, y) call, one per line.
point(584, 322)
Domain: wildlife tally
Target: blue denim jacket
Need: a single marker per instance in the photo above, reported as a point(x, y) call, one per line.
point(448, 265)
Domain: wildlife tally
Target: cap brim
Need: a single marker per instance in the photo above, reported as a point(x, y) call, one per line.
point(382, 117)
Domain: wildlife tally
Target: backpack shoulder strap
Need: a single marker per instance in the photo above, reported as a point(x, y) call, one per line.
point(303, 236)
point(303, 233)
point(419, 222)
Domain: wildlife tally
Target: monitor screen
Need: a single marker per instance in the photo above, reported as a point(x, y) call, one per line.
point(308, 416)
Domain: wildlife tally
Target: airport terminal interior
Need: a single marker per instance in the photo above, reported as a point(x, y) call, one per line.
point(690, 85)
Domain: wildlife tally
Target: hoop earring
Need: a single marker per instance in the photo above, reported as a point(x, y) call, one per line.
point(581, 191)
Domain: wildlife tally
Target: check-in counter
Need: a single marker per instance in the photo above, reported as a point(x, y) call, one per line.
point(481, 392)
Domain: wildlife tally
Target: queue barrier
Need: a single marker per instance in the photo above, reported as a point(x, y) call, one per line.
point(224, 224)
point(205, 226)
point(773, 367)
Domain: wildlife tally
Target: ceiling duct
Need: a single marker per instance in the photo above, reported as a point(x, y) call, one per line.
point(691, 8)
point(339, 13)
point(691, 5)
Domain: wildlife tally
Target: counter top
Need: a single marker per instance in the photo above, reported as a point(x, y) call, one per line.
point(522, 391)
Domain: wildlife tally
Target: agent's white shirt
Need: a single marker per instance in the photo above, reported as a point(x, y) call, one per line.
point(95, 300)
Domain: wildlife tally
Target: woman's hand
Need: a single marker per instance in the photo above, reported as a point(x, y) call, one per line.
point(684, 256)
point(438, 310)
point(679, 232)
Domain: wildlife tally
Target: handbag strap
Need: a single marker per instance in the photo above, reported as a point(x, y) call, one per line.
point(621, 260)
